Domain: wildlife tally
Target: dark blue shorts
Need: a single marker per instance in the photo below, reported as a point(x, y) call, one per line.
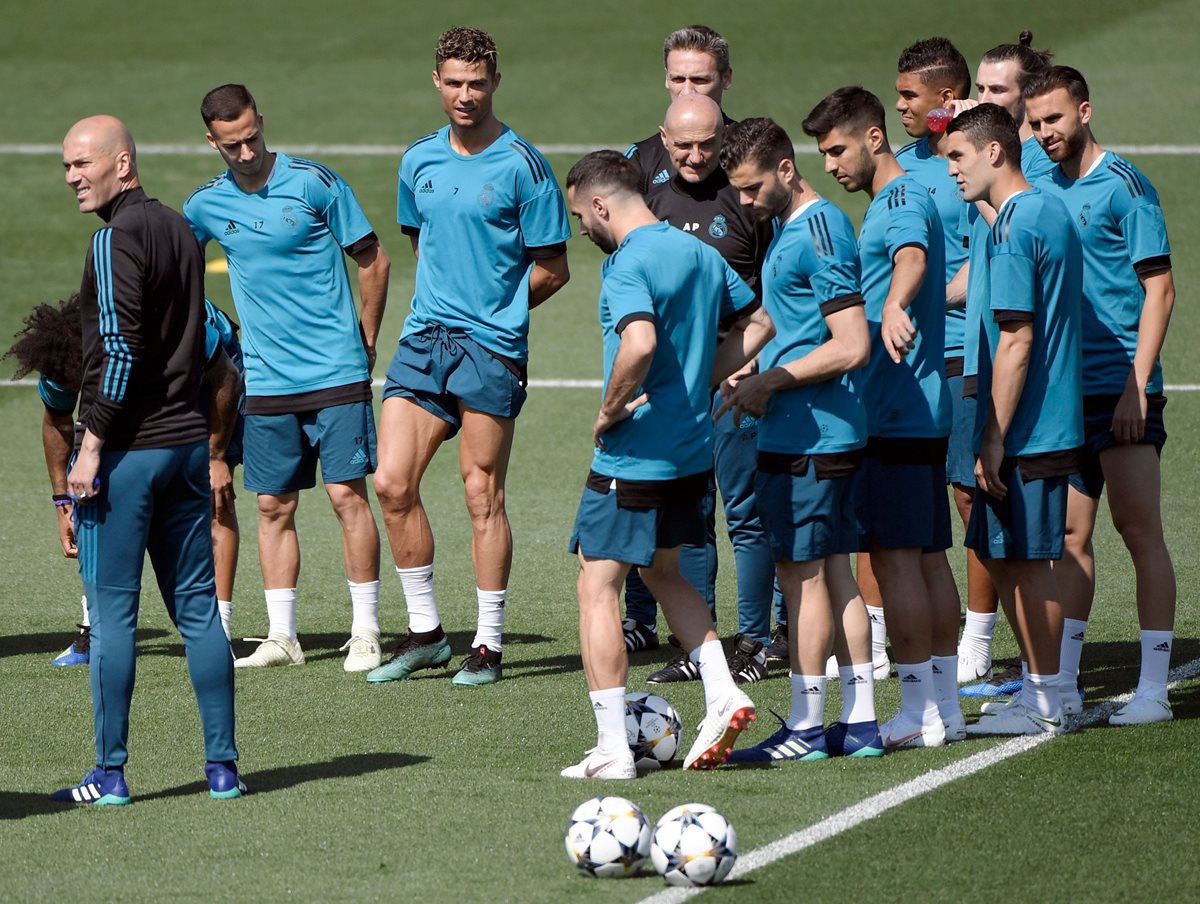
point(807, 518)
point(900, 496)
point(960, 457)
point(1098, 436)
point(234, 452)
point(1028, 523)
point(282, 450)
point(444, 370)
point(604, 530)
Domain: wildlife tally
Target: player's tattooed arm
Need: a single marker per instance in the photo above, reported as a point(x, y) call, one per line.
point(58, 436)
point(225, 384)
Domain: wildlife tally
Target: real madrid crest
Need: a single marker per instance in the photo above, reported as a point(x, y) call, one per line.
point(718, 228)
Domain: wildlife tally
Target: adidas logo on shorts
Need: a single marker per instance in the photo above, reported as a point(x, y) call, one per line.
point(359, 457)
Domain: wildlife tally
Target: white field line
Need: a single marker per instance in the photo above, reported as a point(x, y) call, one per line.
point(597, 384)
point(878, 804)
point(395, 150)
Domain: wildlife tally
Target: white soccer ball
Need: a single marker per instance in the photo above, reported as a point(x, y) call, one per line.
point(652, 728)
point(608, 837)
point(693, 845)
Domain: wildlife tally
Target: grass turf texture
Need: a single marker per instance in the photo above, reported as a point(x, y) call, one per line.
point(451, 794)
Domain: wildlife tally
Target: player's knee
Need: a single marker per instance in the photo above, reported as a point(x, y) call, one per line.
point(485, 500)
point(396, 494)
point(277, 509)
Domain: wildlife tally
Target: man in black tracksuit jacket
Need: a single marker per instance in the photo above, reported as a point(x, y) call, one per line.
point(140, 477)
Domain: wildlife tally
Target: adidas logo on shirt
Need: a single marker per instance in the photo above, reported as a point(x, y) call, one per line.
point(231, 229)
point(662, 177)
point(426, 189)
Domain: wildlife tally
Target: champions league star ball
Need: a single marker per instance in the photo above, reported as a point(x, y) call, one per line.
point(608, 838)
point(693, 845)
point(652, 728)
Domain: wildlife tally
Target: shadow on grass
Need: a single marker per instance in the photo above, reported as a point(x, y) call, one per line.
point(1110, 668)
point(55, 643)
point(20, 804)
point(319, 647)
point(264, 781)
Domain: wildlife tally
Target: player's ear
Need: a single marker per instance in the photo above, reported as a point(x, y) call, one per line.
point(1085, 112)
point(662, 134)
point(600, 206)
point(875, 138)
point(786, 170)
point(496, 80)
point(727, 79)
point(437, 79)
point(212, 142)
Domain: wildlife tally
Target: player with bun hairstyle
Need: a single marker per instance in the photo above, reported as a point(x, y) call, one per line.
point(1003, 72)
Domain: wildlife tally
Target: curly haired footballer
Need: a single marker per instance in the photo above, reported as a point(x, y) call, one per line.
point(51, 343)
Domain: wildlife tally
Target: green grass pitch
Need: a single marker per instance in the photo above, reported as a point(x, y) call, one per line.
point(435, 793)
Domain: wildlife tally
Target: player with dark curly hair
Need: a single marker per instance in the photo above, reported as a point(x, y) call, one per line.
point(50, 344)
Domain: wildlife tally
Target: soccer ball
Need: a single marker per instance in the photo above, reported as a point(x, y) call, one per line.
point(693, 845)
point(608, 837)
point(652, 728)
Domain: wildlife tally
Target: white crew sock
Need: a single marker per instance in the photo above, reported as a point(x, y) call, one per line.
point(917, 696)
point(281, 611)
point(945, 686)
point(1040, 694)
point(225, 610)
point(417, 584)
point(87, 622)
point(858, 693)
point(878, 633)
point(808, 701)
point(1070, 652)
point(608, 706)
point(977, 634)
point(491, 619)
point(714, 671)
point(1156, 662)
point(364, 601)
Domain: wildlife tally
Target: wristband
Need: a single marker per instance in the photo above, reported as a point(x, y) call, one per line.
point(61, 500)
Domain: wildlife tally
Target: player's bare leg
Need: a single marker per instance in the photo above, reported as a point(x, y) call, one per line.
point(360, 553)
point(606, 665)
point(279, 558)
point(360, 533)
point(873, 599)
point(409, 436)
point(1039, 625)
point(728, 710)
point(983, 603)
point(226, 541)
point(605, 662)
point(909, 612)
point(484, 450)
point(278, 545)
point(810, 615)
point(1132, 476)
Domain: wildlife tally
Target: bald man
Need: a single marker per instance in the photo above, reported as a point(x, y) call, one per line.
point(140, 480)
point(697, 198)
